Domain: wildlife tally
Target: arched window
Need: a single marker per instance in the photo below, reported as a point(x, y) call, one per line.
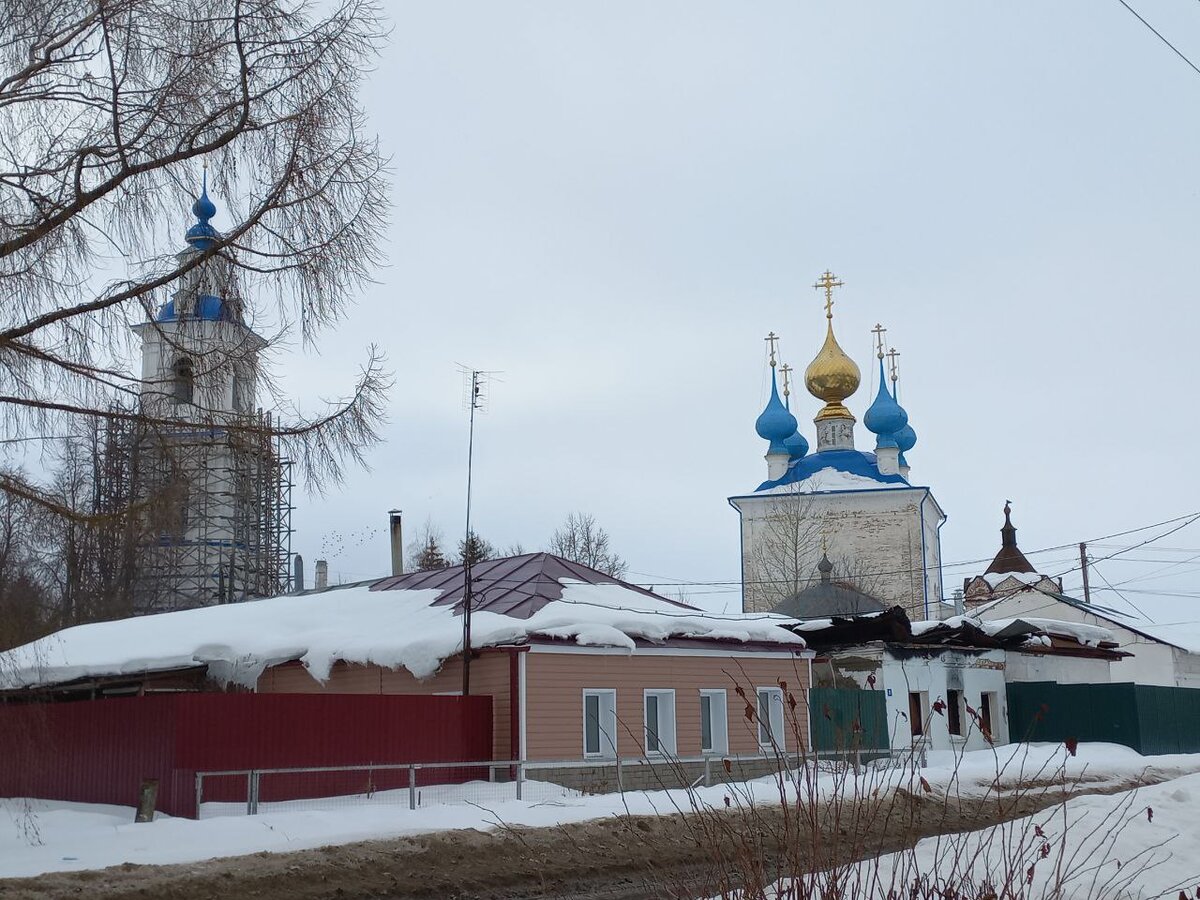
point(183, 382)
point(241, 390)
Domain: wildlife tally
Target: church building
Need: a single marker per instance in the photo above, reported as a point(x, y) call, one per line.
point(856, 509)
point(202, 466)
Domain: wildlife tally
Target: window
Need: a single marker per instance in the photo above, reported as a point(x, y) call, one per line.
point(660, 722)
point(954, 712)
point(916, 712)
point(600, 723)
point(987, 702)
point(770, 718)
point(183, 382)
point(241, 391)
point(714, 722)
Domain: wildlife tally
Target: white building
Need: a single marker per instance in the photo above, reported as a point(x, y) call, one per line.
point(938, 698)
point(858, 507)
point(1158, 657)
point(214, 491)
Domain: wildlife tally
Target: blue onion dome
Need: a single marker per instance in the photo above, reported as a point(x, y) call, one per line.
point(796, 446)
point(905, 439)
point(885, 416)
point(167, 313)
point(775, 423)
point(202, 235)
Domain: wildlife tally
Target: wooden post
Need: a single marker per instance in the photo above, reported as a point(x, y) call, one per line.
point(1083, 565)
point(147, 800)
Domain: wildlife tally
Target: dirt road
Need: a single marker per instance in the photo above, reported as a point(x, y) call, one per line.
point(612, 859)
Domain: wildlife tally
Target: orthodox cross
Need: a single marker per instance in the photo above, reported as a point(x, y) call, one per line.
point(892, 364)
point(787, 371)
point(772, 339)
point(828, 282)
point(879, 331)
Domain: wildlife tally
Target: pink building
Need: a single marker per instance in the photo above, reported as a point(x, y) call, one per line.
point(579, 666)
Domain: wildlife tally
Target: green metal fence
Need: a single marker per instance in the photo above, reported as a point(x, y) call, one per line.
point(847, 720)
point(1149, 719)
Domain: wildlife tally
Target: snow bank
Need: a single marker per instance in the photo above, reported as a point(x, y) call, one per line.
point(1128, 845)
point(388, 628)
point(59, 836)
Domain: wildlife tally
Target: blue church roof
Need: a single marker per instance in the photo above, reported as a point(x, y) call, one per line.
point(852, 462)
point(208, 308)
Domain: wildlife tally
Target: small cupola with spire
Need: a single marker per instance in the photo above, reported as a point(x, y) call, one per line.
point(885, 417)
point(1009, 572)
point(775, 423)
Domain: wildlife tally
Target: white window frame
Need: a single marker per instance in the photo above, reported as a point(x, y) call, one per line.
point(665, 730)
point(718, 711)
point(775, 723)
point(607, 716)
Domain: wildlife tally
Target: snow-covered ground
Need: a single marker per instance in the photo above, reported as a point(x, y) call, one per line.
point(42, 836)
point(1130, 845)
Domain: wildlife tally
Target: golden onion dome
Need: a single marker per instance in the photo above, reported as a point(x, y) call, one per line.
point(832, 376)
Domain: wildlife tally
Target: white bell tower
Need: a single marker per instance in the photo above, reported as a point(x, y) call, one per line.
point(215, 492)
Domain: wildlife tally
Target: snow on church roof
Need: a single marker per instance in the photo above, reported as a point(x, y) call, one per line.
point(832, 470)
point(995, 579)
point(391, 628)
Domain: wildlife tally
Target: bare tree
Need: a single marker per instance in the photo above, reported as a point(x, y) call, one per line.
point(106, 111)
point(27, 606)
point(426, 551)
point(786, 550)
point(582, 540)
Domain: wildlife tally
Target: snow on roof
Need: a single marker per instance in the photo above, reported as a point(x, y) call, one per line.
point(822, 624)
point(995, 579)
point(1184, 636)
point(394, 628)
point(831, 479)
point(1089, 635)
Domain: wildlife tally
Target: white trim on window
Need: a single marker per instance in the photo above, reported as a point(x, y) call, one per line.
point(771, 729)
point(599, 742)
point(718, 721)
point(658, 721)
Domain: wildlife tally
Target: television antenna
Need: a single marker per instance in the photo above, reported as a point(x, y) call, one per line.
point(476, 398)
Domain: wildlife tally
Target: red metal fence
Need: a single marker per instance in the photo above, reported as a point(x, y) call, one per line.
point(99, 751)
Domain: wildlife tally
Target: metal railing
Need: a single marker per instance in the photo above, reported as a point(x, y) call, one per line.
point(438, 783)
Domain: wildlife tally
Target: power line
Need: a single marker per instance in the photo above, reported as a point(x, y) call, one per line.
point(1136, 608)
point(1160, 36)
point(1186, 519)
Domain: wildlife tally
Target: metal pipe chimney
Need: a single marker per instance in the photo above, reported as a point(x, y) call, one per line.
point(298, 574)
point(321, 575)
point(396, 531)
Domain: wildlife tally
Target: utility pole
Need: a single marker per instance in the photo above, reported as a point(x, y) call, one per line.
point(475, 382)
point(1083, 565)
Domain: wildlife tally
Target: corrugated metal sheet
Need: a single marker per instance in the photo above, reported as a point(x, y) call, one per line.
point(99, 751)
point(515, 586)
point(844, 720)
point(1149, 719)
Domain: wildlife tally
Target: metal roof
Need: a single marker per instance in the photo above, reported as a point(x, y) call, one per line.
point(515, 586)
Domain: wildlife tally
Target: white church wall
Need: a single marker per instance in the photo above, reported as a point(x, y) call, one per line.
point(877, 534)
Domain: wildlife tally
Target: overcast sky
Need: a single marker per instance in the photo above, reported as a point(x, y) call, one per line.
point(612, 203)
